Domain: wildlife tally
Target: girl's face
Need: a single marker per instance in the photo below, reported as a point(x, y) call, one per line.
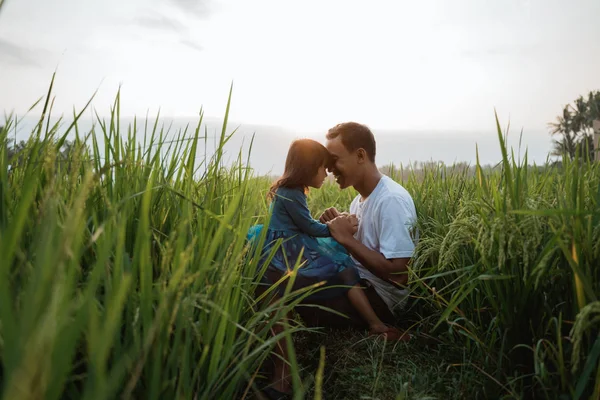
point(319, 177)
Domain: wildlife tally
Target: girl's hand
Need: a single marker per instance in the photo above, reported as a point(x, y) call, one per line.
point(329, 215)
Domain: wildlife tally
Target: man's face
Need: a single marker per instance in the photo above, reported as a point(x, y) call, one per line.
point(345, 163)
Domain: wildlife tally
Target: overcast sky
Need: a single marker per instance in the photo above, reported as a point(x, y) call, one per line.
point(422, 64)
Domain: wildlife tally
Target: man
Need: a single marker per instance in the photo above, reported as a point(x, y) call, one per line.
point(384, 243)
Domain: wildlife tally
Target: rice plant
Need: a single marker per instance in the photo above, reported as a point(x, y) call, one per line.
point(514, 257)
point(126, 273)
point(125, 269)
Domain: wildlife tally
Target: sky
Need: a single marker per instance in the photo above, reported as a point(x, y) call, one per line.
point(426, 65)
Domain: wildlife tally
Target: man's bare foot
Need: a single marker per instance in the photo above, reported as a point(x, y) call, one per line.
point(378, 328)
point(389, 333)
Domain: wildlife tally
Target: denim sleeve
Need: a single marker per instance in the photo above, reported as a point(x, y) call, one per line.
point(295, 204)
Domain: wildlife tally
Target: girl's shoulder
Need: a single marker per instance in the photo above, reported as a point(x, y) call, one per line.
point(289, 192)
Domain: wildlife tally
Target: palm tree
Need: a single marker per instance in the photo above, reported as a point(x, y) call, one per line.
point(593, 103)
point(575, 127)
point(564, 125)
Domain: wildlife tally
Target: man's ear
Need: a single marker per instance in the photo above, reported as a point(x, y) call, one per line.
point(362, 155)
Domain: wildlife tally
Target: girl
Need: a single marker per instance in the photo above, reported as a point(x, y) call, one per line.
point(323, 258)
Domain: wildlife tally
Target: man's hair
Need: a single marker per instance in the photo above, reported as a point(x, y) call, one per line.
point(354, 136)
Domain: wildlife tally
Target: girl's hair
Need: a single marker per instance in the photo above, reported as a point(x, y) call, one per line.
point(302, 164)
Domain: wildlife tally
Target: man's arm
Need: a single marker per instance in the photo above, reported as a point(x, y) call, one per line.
point(394, 219)
point(394, 269)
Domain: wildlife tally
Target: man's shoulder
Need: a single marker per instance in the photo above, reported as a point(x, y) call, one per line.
point(393, 190)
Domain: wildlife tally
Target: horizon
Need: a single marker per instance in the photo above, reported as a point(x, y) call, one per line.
point(271, 143)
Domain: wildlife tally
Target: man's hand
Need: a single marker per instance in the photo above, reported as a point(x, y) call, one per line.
point(329, 215)
point(353, 218)
point(343, 228)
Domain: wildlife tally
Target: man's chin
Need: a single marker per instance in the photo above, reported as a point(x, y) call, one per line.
point(342, 184)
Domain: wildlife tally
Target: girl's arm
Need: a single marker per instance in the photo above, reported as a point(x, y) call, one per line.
point(295, 204)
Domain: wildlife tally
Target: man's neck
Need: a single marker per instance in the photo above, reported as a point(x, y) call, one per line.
point(369, 182)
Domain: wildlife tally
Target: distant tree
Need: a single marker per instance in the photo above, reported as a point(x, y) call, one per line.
point(15, 149)
point(16, 152)
point(574, 127)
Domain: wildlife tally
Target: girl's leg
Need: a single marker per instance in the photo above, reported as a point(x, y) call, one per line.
point(280, 376)
point(280, 380)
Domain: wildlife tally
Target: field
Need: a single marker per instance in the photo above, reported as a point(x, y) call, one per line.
point(125, 273)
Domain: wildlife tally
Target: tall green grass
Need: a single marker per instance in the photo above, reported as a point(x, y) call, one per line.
point(125, 270)
point(508, 267)
point(514, 258)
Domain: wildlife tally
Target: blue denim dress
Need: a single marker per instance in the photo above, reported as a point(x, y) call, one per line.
point(297, 235)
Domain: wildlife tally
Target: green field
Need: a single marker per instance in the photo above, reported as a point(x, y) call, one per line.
point(125, 273)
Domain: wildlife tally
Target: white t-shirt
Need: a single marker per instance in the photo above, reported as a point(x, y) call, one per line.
point(386, 221)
